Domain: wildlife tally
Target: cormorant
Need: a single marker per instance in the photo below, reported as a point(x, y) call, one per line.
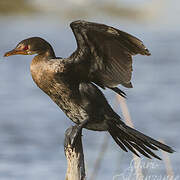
point(103, 58)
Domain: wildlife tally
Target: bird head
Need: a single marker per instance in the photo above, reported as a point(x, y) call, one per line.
point(30, 46)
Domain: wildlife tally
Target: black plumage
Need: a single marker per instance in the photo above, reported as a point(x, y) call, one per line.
point(103, 58)
point(109, 51)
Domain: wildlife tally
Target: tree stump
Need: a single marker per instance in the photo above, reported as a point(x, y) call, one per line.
point(74, 155)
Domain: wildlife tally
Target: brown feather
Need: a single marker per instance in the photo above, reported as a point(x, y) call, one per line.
point(110, 52)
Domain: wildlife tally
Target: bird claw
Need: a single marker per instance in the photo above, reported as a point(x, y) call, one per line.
point(72, 136)
point(75, 136)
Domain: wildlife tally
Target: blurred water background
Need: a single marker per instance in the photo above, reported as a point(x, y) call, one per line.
point(32, 127)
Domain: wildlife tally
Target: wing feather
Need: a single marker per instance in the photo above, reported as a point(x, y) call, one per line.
point(109, 52)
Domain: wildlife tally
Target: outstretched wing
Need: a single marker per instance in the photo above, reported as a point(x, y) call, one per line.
point(108, 52)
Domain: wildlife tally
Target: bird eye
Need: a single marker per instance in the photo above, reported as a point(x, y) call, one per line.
point(25, 48)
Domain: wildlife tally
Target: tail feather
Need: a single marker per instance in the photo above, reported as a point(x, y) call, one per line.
point(149, 141)
point(143, 149)
point(130, 147)
point(129, 138)
point(118, 91)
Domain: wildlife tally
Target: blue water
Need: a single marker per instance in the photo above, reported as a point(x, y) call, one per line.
point(32, 127)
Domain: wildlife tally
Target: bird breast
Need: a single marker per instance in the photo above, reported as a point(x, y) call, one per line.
point(41, 75)
point(58, 88)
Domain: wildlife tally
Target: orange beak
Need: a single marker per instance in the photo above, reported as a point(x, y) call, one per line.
point(14, 52)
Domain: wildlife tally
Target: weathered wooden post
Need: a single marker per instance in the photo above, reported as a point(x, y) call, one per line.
point(74, 155)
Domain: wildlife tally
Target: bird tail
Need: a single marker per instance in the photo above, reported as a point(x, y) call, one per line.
point(118, 91)
point(129, 138)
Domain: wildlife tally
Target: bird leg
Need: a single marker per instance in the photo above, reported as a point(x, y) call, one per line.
point(77, 132)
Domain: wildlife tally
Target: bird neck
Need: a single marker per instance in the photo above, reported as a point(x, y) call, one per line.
point(49, 53)
point(45, 56)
